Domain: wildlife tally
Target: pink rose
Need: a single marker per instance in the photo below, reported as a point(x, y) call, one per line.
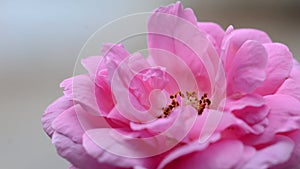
point(203, 98)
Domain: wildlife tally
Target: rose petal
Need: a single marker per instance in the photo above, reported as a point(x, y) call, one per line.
point(247, 70)
point(276, 153)
point(234, 39)
point(54, 110)
point(74, 121)
point(182, 151)
point(292, 85)
point(174, 30)
point(278, 68)
point(91, 64)
point(215, 156)
point(252, 100)
point(285, 112)
point(284, 116)
point(293, 162)
point(74, 153)
point(104, 157)
point(215, 32)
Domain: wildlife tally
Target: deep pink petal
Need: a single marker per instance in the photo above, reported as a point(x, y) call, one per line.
point(276, 153)
point(103, 93)
point(278, 68)
point(247, 70)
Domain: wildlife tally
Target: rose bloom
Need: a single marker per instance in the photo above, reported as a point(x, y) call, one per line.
point(203, 98)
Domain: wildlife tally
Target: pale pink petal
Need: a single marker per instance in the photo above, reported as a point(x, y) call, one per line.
point(293, 162)
point(215, 156)
point(172, 29)
point(276, 153)
point(54, 110)
point(83, 92)
point(215, 32)
point(284, 116)
point(74, 153)
point(113, 54)
point(278, 68)
point(115, 161)
point(182, 151)
point(73, 167)
point(285, 112)
point(234, 39)
point(247, 70)
point(292, 85)
point(67, 124)
point(92, 64)
point(247, 154)
point(75, 120)
point(252, 100)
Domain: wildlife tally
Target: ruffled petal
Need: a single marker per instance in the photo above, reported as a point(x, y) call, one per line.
point(215, 32)
point(92, 64)
point(54, 110)
point(107, 158)
point(293, 162)
point(276, 153)
point(247, 70)
point(278, 68)
point(74, 153)
point(284, 116)
point(174, 30)
point(292, 85)
point(234, 39)
point(215, 156)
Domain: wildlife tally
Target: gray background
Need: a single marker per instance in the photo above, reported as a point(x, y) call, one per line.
point(39, 43)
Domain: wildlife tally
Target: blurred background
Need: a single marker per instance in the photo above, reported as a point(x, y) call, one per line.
point(40, 41)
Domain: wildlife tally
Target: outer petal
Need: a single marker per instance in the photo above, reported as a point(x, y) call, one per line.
point(106, 158)
point(247, 70)
point(278, 152)
point(74, 152)
point(236, 38)
point(215, 32)
point(73, 122)
point(92, 64)
point(292, 85)
point(293, 162)
point(278, 68)
point(215, 156)
point(82, 90)
point(284, 116)
point(174, 30)
point(54, 110)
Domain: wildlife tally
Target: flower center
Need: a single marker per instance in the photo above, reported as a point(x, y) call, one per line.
point(190, 98)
